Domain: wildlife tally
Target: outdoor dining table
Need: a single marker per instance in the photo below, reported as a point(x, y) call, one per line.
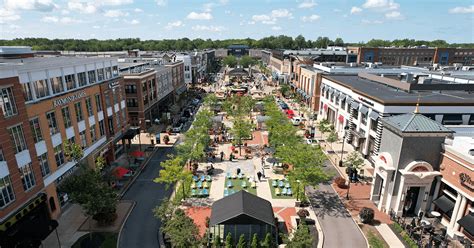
point(435, 214)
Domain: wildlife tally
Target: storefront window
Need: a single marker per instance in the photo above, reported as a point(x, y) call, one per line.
point(6, 191)
point(27, 176)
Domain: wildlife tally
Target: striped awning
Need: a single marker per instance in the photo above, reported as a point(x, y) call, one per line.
point(355, 105)
point(364, 110)
point(374, 115)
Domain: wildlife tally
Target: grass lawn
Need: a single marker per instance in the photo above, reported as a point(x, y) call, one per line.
point(280, 196)
point(99, 240)
point(237, 185)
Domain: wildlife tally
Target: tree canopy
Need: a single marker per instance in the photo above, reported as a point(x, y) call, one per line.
point(185, 44)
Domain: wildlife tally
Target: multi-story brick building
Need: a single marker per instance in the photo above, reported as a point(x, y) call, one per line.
point(45, 102)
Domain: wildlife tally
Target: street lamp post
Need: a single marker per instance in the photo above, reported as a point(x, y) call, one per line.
point(348, 184)
point(139, 136)
point(343, 141)
point(298, 190)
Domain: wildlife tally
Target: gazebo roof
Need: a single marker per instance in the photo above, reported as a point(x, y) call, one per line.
point(242, 208)
point(238, 72)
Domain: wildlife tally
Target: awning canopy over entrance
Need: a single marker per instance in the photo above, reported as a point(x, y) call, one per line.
point(444, 203)
point(468, 223)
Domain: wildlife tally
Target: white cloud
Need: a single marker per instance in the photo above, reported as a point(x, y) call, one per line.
point(307, 4)
point(138, 10)
point(310, 18)
point(276, 28)
point(8, 16)
point(394, 15)
point(48, 19)
point(96, 27)
point(227, 12)
point(62, 20)
point(281, 13)
point(161, 2)
point(82, 7)
point(382, 5)
point(371, 22)
point(65, 12)
point(337, 10)
point(355, 10)
point(462, 10)
point(273, 17)
point(133, 22)
point(259, 18)
point(251, 22)
point(68, 20)
point(208, 28)
point(175, 24)
point(199, 16)
point(115, 13)
point(113, 2)
point(39, 5)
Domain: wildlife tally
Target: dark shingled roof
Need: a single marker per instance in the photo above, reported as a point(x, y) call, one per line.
point(415, 123)
point(238, 72)
point(242, 208)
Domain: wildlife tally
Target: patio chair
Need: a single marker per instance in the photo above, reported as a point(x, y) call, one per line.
point(193, 192)
point(234, 176)
point(195, 178)
point(287, 185)
point(193, 185)
point(199, 184)
point(229, 184)
point(289, 192)
point(226, 192)
point(244, 184)
point(274, 184)
point(200, 193)
point(203, 178)
point(253, 185)
point(232, 191)
point(209, 178)
point(205, 185)
point(228, 175)
point(280, 184)
point(284, 191)
point(240, 176)
point(205, 192)
point(277, 191)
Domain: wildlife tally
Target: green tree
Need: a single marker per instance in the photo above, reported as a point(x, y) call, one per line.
point(300, 42)
point(173, 172)
point(354, 160)
point(242, 243)
point(217, 242)
point(230, 61)
point(241, 129)
point(332, 137)
point(73, 151)
point(247, 61)
point(323, 127)
point(165, 210)
point(301, 238)
point(338, 42)
point(254, 243)
point(228, 241)
point(268, 241)
point(181, 230)
point(285, 90)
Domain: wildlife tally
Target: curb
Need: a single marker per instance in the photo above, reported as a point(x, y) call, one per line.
point(145, 164)
point(125, 220)
point(320, 231)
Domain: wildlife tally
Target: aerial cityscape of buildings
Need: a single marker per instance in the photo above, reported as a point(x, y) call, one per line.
point(408, 112)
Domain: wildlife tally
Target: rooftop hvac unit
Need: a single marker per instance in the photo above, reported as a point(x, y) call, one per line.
point(425, 80)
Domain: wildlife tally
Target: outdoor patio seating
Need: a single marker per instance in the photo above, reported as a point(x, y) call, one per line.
point(234, 176)
point(289, 192)
point(228, 175)
point(209, 178)
point(205, 185)
point(231, 192)
point(244, 184)
point(284, 191)
point(277, 191)
point(253, 185)
point(287, 185)
point(205, 192)
point(199, 184)
point(241, 176)
point(195, 178)
point(229, 184)
point(193, 192)
point(281, 184)
point(203, 178)
point(274, 183)
point(193, 185)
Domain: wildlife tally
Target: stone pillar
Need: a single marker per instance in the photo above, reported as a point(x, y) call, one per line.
point(460, 213)
point(453, 220)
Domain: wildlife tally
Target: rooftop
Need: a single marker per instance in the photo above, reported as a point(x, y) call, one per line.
point(32, 64)
point(463, 146)
point(389, 95)
point(415, 123)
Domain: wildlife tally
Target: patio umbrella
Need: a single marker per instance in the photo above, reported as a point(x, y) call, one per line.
point(119, 172)
point(269, 150)
point(137, 154)
point(272, 160)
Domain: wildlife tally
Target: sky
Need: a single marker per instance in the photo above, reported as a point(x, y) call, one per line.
point(351, 20)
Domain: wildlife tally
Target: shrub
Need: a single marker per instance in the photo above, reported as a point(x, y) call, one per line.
point(228, 241)
point(404, 235)
point(340, 182)
point(366, 215)
point(374, 241)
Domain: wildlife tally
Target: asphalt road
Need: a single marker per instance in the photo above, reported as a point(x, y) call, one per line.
point(338, 226)
point(141, 227)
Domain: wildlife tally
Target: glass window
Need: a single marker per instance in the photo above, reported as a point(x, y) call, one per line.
point(81, 77)
point(100, 74)
point(107, 99)
point(7, 102)
point(52, 124)
point(92, 133)
point(82, 136)
point(43, 161)
point(108, 72)
point(115, 71)
point(78, 108)
point(57, 84)
point(110, 122)
point(70, 81)
point(92, 78)
point(41, 88)
point(101, 128)
point(6, 189)
point(66, 117)
point(18, 138)
point(27, 176)
point(373, 124)
point(36, 130)
point(90, 112)
point(363, 118)
point(59, 155)
point(27, 92)
point(98, 102)
point(2, 158)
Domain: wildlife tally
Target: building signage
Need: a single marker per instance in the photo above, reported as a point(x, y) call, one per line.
point(366, 101)
point(68, 99)
point(113, 84)
point(466, 181)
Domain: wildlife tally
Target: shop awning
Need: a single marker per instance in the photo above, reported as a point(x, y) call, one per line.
point(355, 105)
point(364, 110)
point(374, 115)
point(444, 203)
point(323, 87)
point(130, 134)
point(331, 90)
point(468, 223)
point(343, 96)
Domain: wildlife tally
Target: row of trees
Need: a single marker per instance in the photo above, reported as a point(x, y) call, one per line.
point(306, 161)
point(246, 61)
point(185, 44)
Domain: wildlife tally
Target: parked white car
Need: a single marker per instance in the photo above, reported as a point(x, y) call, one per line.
point(296, 120)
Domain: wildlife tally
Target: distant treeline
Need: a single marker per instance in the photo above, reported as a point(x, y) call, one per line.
point(185, 44)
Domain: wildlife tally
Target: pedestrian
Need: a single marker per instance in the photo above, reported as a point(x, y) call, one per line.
point(263, 172)
point(222, 156)
point(259, 175)
point(230, 157)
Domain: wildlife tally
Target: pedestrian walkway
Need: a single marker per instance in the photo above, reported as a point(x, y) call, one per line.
point(392, 240)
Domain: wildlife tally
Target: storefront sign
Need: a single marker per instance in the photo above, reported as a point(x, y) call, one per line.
point(114, 84)
point(466, 181)
point(366, 101)
point(68, 99)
